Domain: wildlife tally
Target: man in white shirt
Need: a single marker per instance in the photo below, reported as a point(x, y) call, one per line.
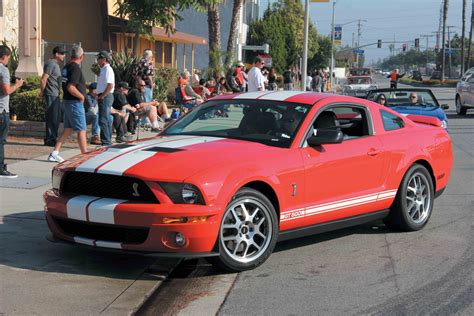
point(256, 81)
point(105, 97)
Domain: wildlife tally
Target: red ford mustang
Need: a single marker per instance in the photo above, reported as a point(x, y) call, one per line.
point(241, 172)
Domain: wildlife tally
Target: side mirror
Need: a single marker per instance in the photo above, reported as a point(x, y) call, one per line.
point(325, 137)
point(444, 106)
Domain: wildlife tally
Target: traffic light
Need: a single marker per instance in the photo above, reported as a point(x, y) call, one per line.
point(379, 43)
point(404, 47)
point(417, 43)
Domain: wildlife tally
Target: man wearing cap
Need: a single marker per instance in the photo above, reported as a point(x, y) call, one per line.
point(239, 76)
point(50, 88)
point(105, 96)
point(120, 107)
point(74, 90)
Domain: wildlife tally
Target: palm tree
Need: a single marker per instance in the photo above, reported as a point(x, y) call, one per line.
point(238, 4)
point(462, 34)
point(443, 57)
point(214, 26)
point(470, 38)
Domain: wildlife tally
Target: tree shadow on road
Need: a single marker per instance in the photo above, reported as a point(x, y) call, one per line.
point(23, 245)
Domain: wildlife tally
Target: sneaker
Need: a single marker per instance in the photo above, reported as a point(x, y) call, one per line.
point(119, 140)
point(55, 158)
point(156, 129)
point(95, 140)
point(4, 173)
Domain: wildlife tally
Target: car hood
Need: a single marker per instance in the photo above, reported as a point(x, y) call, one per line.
point(434, 111)
point(169, 158)
point(359, 86)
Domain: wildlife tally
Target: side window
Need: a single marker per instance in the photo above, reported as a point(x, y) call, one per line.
point(353, 121)
point(391, 121)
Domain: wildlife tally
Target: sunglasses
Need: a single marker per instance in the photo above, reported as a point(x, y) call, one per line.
point(382, 99)
point(142, 85)
point(413, 97)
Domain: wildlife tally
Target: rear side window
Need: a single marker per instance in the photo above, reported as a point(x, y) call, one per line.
point(391, 121)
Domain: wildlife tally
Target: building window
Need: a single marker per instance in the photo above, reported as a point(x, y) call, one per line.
point(168, 52)
point(113, 42)
point(158, 54)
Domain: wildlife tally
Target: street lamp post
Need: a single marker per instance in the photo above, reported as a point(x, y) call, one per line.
point(304, 65)
point(331, 80)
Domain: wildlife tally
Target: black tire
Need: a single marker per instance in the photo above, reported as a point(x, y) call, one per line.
point(245, 238)
point(411, 211)
point(460, 109)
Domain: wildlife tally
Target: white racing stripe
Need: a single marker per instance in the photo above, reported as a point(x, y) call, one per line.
point(76, 207)
point(84, 241)
point(108, 244)
point(102, 211)
point(334, 206)
point(280, 95)
point(251, 95)
point(111, 152)
point(120, 164)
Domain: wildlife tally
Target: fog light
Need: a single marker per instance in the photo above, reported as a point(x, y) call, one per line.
point(180, 239)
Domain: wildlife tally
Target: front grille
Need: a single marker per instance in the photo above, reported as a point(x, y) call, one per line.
point(107, 186)
point(104, 232)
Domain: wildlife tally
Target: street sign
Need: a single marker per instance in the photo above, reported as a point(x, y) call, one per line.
point(338, 34)
point(358, 51)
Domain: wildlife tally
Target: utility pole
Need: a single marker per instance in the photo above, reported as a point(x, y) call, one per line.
point(331, 80)
point(462, 34)
point(443, 51)
point(427, 36)
point(470, 38)
point(359, 33)
point(450, 52)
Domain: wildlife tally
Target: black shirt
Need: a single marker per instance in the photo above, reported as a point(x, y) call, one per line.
point(72, 74)
point(135, 97)
point(119, 100)
point(288, 77)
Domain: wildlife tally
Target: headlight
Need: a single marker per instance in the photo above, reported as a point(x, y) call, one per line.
point(444, 124)
point(57, 177)
point(183, 193)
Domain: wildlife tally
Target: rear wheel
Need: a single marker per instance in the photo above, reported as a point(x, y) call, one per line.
point(413, 204)
point(248, 232)
point(460, 109)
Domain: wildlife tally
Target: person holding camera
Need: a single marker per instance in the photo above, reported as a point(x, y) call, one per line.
point(6, 88)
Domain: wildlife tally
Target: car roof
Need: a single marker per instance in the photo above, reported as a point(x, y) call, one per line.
point(286, 96)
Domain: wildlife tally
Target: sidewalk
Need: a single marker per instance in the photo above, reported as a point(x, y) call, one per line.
point(40, 277)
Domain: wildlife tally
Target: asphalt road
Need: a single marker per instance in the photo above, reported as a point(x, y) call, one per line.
point(362, 270)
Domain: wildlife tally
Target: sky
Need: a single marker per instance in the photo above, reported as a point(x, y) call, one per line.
point(403, 20)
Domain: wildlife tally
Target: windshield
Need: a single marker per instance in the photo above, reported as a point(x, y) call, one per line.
point(404, 97)
point(360, 72)
point(355, 80)
point(268, 122)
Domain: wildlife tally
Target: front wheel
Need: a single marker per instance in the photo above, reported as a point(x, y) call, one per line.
point(248, 232)
point(460, 110)
point(413, 204)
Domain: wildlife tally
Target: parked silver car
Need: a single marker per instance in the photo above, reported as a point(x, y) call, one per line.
point(465, 92)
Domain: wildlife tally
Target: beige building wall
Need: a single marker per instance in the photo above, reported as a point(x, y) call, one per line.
point(9, 21)
point(73, 22)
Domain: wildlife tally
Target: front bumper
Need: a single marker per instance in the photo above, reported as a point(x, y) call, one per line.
point(131, 226)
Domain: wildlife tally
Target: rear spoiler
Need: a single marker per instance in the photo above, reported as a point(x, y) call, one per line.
point(428, 120)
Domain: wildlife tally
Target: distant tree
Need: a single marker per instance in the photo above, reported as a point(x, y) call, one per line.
point(322, 56)
point(282, 28)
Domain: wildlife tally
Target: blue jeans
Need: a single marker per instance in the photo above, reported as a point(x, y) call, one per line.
point(52, 117)
point(4, 125)
point(148, 94)
point(105, 120)
point(93, 119)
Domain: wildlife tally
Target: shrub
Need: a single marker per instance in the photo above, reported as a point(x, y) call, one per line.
point(165, 82)
point(28, 106)
point(31, 83)
point(14, 59)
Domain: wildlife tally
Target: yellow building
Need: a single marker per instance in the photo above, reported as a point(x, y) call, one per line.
point(93, 24)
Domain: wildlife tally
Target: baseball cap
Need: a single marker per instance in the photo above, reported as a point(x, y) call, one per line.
point(93, 85)
point(59, 50)
point(104, 54)
point(240, 64)
point(124, 84)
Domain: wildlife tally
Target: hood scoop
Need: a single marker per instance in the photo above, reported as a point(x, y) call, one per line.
point(163, 149)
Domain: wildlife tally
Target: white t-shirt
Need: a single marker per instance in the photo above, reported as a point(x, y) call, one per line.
point(309, 79)
point(255, 80)
point(106, 76)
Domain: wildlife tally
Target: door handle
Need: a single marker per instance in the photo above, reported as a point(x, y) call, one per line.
point(373, 152)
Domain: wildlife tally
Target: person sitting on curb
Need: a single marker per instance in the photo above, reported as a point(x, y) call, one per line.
point(121, 111)
point(92, 113)
point(136, 98)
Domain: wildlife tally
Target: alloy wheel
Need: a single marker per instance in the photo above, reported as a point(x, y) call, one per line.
point(418, 198)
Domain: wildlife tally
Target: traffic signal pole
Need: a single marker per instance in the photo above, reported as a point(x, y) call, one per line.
point(304, 66)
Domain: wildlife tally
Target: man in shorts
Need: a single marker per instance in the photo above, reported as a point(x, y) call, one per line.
point(74, 88)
